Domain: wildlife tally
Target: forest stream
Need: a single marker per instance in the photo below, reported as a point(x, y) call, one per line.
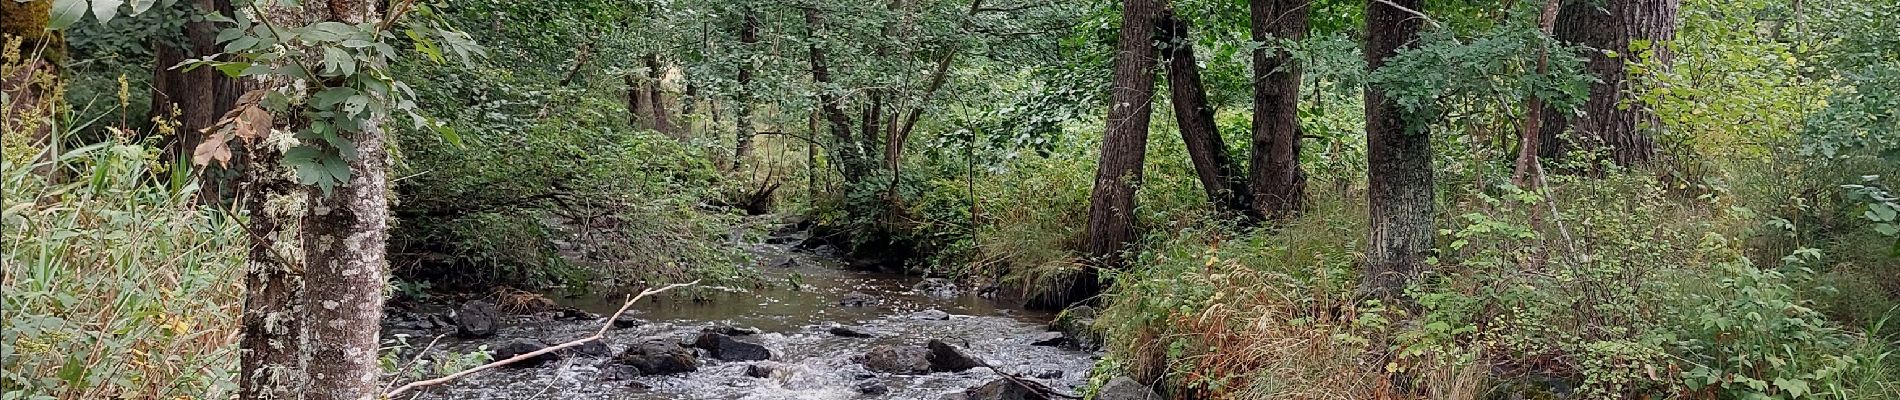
point(809, 318)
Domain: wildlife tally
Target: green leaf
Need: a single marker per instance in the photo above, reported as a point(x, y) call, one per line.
point(105, 10)
point(1794, 387)
point(1881, 212)
point(139, 6)
point(329, 98)
point(65, 13)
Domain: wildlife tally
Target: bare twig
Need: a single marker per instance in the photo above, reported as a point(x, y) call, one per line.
point(1421, 15)
point(604, 326)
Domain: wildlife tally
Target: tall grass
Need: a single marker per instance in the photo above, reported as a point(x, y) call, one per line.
point(115, 286)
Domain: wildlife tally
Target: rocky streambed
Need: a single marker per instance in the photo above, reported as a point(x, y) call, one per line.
point(817, 332)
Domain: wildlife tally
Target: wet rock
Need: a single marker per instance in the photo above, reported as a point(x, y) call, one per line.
point(1047, 374)
point(1123, 388)
point(1078, 323)
point(1051, 339)
point(895, 359)
point(627, 321)
point(572, 314)
point(1009, 389)
point(765, 370)
point(659, 356)
point(954, 396)
point(725, 348)
point(930, 315)
point(729, 330)
point(616, 372)
point(475, 319)
point(850, 332)
point(517, 347)
point(948, 358)
point(988, 291)
point(873, 387)
point(592, 348)
point(857, 299)
point(936, 287)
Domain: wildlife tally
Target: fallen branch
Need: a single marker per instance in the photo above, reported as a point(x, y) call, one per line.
point(604, 326)
point(1025, 383)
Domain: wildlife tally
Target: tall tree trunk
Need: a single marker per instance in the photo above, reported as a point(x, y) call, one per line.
point(853, 158)
point(1124, 144)
point(1529, 131)
point(199, 96)
point(748, 43)
point(1399, 151)
point(1611, 118)
point(1278, 182)
point(316, 274)
point(638, 109)
point(1219, 176)
point(656, 97)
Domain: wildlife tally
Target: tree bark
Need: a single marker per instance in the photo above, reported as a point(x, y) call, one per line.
point(1399, 151)
point(199, 96)
point(1611, 118)
point(638, 110)
point(853, 158)
point(316, 274)
point(748, 41)
point(1124, 144)
point(1527, 138)
point(1206, 149)
point(1278, 182)
point(656, 97)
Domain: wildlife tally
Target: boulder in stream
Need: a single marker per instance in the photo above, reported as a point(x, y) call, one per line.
point(1123, 388)
point(1052, 339)
point(857, 299)
point(765, 369)
point(725, 348)
point(591, 348)
point(659, 356)
point(936, 287)
point(873, 387)
point(517, 347)
point(475, 319)
point(930, 315)
point(1008, 389)
point(850, 332)
point(1079, 325)
point(945, 357)
point(895, 359)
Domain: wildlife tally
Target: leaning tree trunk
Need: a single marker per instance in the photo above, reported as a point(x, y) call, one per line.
point(316, 274)
point(748, 41)
point(1612, 119)
point(1219, 176)
point(854, 159)
point(1278, 182)
point(1118, 174)
point(1399, 151)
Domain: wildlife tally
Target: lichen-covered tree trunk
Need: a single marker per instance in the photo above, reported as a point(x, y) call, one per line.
point(1611, 119)
point(1398, 152)
point(316, 276)
point(1278, 182)
point(748, 42)
point(1124, 144)
point(1220, 178)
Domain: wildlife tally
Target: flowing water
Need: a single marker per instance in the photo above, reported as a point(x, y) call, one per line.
point(814, 364)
